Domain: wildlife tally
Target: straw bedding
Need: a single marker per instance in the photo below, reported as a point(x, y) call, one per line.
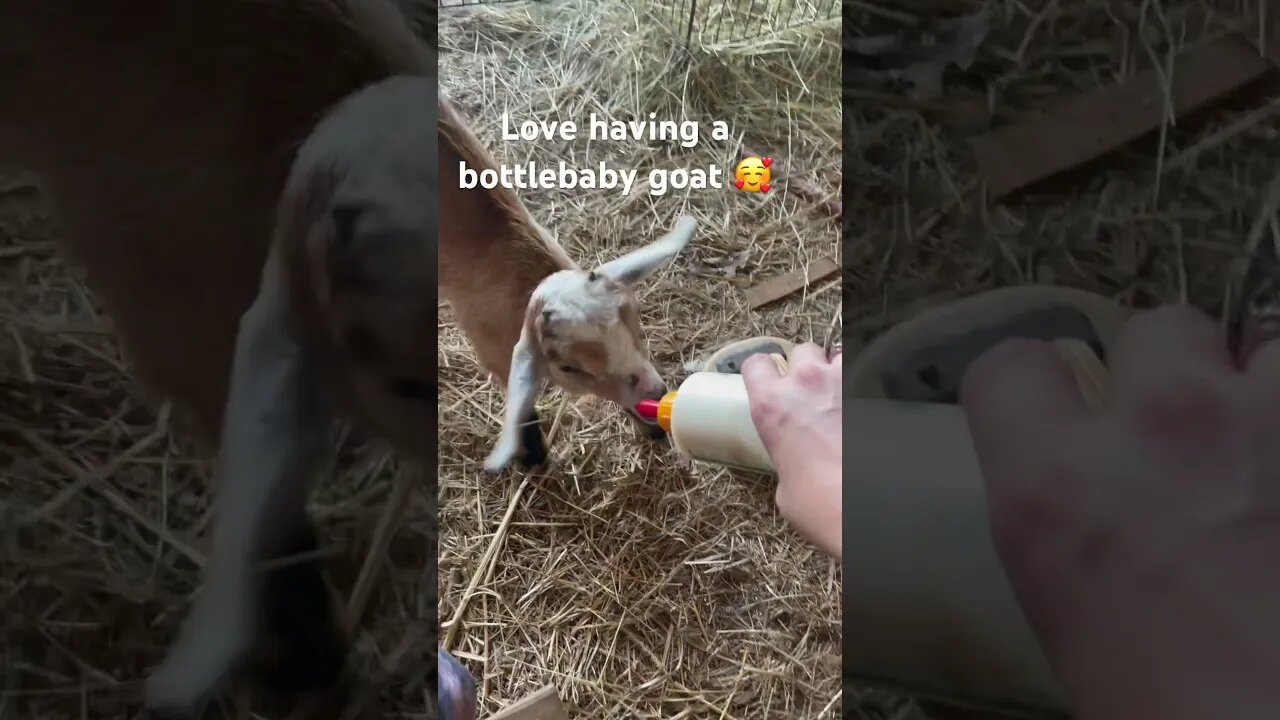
point(104, 505)
point(920, 231)
point(638, 585)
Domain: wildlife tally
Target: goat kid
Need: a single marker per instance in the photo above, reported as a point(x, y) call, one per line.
point(531, 314)
point(582, 332)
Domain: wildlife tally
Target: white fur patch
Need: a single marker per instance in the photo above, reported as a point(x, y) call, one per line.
point(587, 311)
point(214, 638)
point(571, 297)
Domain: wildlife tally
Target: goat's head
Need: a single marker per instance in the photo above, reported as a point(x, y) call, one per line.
point(582, 333)
point(382, 315)
point(368, 190)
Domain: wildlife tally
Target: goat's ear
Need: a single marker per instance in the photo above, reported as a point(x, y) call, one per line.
point(344, 258)
point(637, 265)
point(524, 384)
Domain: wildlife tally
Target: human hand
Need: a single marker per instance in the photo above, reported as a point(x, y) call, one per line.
point(1141, 538)
point(798, 417)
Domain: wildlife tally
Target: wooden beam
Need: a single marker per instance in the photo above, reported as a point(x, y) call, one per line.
point(541, 705)
point(1085, 127)
point(783, 285)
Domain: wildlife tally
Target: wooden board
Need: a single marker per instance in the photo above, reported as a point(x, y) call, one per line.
point(1088, 126)
point(783, 285)
point(541, 705)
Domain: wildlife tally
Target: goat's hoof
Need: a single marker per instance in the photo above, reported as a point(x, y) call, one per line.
point(302, 624)
point(532, 458)
point(502, 455)
point(533, 447)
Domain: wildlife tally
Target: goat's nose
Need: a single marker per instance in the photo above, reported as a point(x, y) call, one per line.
point(635, 380)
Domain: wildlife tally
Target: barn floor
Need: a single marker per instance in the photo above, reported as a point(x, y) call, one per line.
point(103, 503)
point(640, 586)
point(920, 231)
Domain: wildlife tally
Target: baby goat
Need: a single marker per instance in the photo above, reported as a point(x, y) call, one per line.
point(531, 314)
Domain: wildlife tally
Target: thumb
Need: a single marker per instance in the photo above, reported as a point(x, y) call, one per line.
point(1016, 396)
point(762, 376)
point(759, 372)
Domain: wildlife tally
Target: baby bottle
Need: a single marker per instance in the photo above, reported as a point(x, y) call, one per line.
point(709, 419)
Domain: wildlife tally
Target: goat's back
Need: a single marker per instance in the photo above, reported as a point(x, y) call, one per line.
point(492, 253)
point(163, 132)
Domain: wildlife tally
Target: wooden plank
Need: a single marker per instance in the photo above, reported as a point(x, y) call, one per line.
point(1088, 126)
point(541, 705)
point(783, 285)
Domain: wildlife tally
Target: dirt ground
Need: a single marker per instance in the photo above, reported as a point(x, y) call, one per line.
point(920, 231)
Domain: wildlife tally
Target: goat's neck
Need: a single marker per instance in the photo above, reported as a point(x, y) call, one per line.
point(492, 253)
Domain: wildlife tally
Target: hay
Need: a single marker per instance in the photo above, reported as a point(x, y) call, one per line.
point(102, 501)
point(920, 233)
point(922, 230)
point(640, 586)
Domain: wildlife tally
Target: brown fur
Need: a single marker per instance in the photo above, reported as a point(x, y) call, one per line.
point(492, 254)
point(164, 132)
point(593, 356)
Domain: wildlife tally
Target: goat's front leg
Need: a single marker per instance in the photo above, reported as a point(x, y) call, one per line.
point(272, 439)
point(521, 436)
point(533, 446)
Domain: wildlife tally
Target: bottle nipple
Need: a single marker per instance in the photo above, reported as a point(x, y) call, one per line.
point(647, 409)
point(658, 411)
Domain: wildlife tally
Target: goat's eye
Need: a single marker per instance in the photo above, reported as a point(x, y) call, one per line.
point(410, 389)
point(571, 370)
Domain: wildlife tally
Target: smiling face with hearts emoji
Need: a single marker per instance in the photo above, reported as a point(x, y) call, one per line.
point(753, 175)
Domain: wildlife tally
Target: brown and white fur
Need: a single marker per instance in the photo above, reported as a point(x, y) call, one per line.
point(531, 314)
